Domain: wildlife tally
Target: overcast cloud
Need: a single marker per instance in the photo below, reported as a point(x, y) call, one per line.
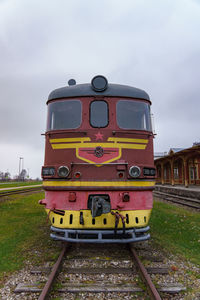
point(149, 44)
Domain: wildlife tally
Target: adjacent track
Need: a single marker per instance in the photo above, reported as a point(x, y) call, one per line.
point(185, 201)
point(19, 191)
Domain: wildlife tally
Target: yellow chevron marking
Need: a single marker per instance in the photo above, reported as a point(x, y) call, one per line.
point(69, 140)
point(99, 183)
point(105, 162)
point(142, 217)
point(143, 141)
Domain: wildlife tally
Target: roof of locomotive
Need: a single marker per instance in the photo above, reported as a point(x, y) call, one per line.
point(88, 89)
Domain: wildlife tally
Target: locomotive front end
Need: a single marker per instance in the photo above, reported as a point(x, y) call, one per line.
point(98, 173)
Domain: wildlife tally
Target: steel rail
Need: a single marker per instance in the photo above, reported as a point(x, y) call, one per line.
point(163, 194)
point(145, 276)
point(19, 191)
point(180, 200)
point(45, 292)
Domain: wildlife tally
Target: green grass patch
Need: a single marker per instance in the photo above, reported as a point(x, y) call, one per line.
point(24, 233)
point(177, 230)
point(18, 184)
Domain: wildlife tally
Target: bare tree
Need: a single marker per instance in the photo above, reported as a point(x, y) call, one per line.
point(5, 176)
point(23, 175)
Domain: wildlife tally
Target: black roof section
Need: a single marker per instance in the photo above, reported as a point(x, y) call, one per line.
point(111, 90)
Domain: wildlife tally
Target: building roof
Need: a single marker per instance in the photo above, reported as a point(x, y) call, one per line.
point(174, 150)
point(159, 154)
point(180, 152)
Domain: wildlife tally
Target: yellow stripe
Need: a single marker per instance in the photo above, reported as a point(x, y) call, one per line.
point(85, 139)
point(111, 139)
point(94, 145)
point(142, 217)
point(99, 183)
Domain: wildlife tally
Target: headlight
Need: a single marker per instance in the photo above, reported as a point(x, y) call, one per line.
point(48, 171)
point(134, 171)
point(99, 83)
point(149, 172)
point(63, 171)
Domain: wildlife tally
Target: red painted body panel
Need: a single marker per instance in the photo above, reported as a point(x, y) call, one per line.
point(72, 148)
point(61, 200)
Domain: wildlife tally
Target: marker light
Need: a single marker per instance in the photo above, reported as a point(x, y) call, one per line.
point(77, 174)
point(120, 174)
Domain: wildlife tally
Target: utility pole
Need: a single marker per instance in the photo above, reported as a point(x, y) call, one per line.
point(20, 159)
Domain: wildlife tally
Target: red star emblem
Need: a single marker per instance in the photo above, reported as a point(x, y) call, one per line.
point(99, 136)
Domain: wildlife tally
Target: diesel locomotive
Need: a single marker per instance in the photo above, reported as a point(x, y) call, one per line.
point(98, 172)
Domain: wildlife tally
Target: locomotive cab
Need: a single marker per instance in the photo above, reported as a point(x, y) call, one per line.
point(98, 172)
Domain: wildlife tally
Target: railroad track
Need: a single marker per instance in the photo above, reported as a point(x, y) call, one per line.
point(105, 269)
point(19, 191)
point(185, 201)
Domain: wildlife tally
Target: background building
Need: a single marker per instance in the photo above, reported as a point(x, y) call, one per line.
point(179, 166)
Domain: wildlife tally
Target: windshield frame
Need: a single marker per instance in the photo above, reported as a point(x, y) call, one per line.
point(49, 126)
point(146, 115)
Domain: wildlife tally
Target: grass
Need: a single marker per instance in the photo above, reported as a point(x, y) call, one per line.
point(24, 233)
point(177, 230)
point(17, 184)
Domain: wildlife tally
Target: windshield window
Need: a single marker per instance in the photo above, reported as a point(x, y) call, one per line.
point(64, 114)
point(133, 115)
point(99, 114)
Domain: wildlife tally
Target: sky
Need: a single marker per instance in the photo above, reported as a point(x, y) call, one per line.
point(149, 44)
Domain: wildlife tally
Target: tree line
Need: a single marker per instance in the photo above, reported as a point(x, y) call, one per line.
point(6, 176)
